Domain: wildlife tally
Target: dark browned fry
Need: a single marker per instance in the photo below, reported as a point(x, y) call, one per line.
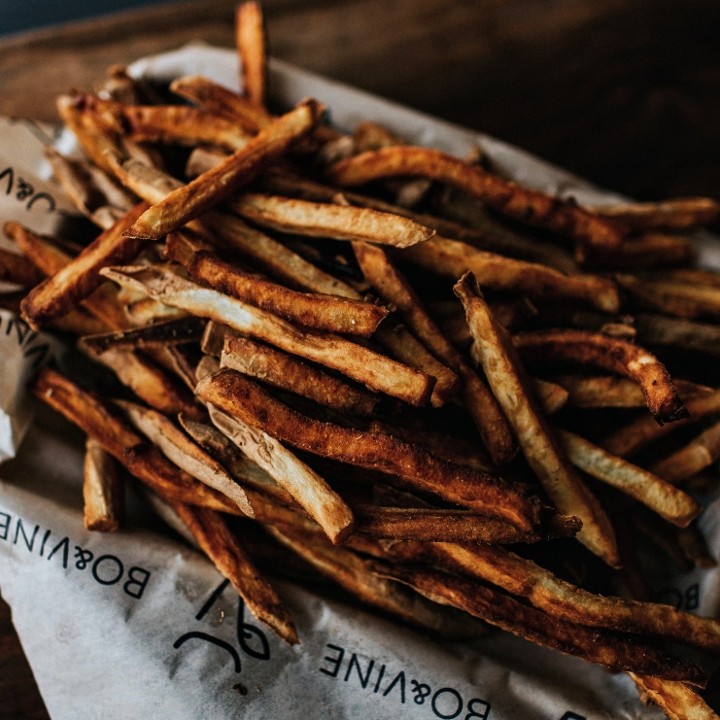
point(683, 213)
point(115, 435)
point(18, 269)
point(223, 547)
point(651, 249)
point(661, 330)
point(495, 353)
point(487, 494)
point(103, 499)
point(520, 203)
point(612, 354)
point(74, 282)
point(599, 646)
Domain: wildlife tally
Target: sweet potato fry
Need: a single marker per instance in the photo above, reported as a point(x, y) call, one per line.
point(214, 186)
point(495, 353)
point(523, 204)
point(236, 395)
point(370, 368)
point(611, 354)
point(103, 500)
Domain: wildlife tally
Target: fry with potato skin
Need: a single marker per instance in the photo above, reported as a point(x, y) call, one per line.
point(611, 354)
point(215, 185)
point(485, 493)
point(506, 377)
point(678, 700)
point(376, 371)
point(17, 269)
point(114, 434)
point(682, 213)
point(529, 206)
point(103, 499)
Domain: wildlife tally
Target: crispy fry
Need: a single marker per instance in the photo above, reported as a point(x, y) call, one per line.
point(342, 222)
point(523, 204)
point(103, 501)
point(507, 380)
point(17, 269)
point(100, 422)
point(241, 398)
point(611, 354)
point(370, 368)
point(648, 488)
point(651, 249)
point(163, 333)
point(679, 333)
point(308, 489)
point(701, 452)
point(60, 292)
point(677, 699)
point(222, 546)
point(250, 42)
point(210, 188)
point(683, 213)
point(452, 258)
point(182, 451)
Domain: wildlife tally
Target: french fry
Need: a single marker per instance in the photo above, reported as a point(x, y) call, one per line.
point(214, 186)
point(610, 354)
point(182, 451)
point(236, 395)
point(370, 368)
point(18, 270)
point(677, 699)
point(520, 203)
point(250, 42)
point(496, 355)
point(103, 501)
point(699, 453)
point(660, 330)
point(675, 214)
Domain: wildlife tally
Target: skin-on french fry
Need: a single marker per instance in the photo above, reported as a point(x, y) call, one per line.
point(222, 546)
point(651, 249)
point(370, 368)
point(678, 700)
point(595, 645)
point(484, 409)
point(215, 185)
point(321, 312)
point(240, 397)
point(289, 373)
point(17, 269)
point(250, 42)
point(612, 354)
point(452, 258)
point(103, 500)
point(560, 598)
point(496, 355)
point(307, 488)
point(520, 203)
point(63, 290)
point(341, 222)
point(185, 453)
point(648, 488)
point(699, 453)
point(674, 214)
point(100, 422)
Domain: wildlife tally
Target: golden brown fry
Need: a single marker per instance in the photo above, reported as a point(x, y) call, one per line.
point(594, 645)
point(484, 409)
point(74, 282)
point(637, 434)
point(452, 258)
point(506, 376)
point(183, 451)
point(341, 222)
point(215, 185)
point(289, 373)
point(100, 422)
point(699, 453)
point(682, 213)
point(488, 494)
point(103, 500)
point(370, 368)
point(17, 269)
point(306, 487)
point(612, 354)
point(648, 488)
point(321, 312)
point(250, 42)
point(677, 700)
point(222, 546)
point(528, 206)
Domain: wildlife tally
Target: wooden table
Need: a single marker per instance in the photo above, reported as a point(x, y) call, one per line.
point(624, 93)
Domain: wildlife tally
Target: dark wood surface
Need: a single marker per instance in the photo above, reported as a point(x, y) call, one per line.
point(622, 92)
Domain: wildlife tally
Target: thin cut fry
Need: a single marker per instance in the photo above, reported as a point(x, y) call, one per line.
point(701, 452)
point(520, 203)
point(675, 214)
point(678, 700)
point(506, 377)
point(250, 42)
point(103, 500)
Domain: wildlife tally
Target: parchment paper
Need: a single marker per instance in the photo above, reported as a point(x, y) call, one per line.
point(138, 624)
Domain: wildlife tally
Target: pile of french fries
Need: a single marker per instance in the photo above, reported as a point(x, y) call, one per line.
point(434, 386)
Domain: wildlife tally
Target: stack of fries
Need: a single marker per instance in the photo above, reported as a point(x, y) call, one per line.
point(436, 387)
